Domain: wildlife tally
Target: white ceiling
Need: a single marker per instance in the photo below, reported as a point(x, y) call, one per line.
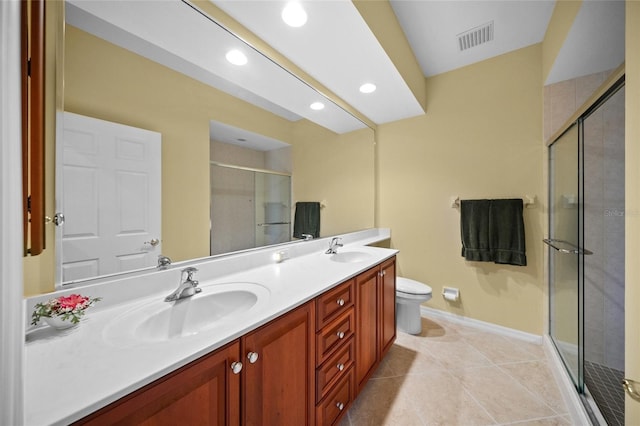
point(221, 132)
point(595, 42)
point(432, 28)
point(338, 49)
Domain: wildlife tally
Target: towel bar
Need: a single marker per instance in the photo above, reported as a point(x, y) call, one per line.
point(529, 201)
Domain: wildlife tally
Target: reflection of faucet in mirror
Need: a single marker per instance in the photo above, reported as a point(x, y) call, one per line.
point(163, 262)
point(333, 246)
point(187, 288)
point(307, 237)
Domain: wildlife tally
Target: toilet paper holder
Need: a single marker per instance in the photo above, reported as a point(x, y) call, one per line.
point(451, 294)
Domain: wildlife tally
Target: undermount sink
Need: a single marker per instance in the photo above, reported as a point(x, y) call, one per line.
point(215, 307)
point(350, 256)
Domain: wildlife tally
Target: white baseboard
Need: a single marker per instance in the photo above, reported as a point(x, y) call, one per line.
point(481, 325)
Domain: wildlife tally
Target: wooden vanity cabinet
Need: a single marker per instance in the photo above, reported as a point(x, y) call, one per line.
point(305, 367)
point(335, 353)
point(274, 385)
point(204, 392)
point(278, 378)
point(375, 318)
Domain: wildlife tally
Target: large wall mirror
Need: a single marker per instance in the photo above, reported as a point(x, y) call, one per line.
point(145, 84)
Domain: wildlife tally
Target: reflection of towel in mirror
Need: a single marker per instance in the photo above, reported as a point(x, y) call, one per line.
point(493, 231)
point(307, 219)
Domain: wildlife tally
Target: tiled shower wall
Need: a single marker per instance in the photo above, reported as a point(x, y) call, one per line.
point(604, 212)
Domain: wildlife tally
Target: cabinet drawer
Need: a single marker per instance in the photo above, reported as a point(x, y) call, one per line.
point(334, 335)
point(333, 303)
point(334, 368)
point(336, 403)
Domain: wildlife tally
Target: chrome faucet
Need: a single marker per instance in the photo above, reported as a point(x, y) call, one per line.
point(307, 237)
point(333, 246)
point(163, 262)
point(187, 288)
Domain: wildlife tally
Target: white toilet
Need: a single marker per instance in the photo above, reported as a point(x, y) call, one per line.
point(409, 295)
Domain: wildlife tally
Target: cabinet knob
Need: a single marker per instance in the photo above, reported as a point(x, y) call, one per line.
point(252, 357)
point(236, 367)
point(340, 406)
point(340, 334)
point(341, 302)
point(340, 367)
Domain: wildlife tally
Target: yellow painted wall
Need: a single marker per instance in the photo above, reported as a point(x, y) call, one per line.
point(338, 169)
point(632, 188)
point(481, 138)
point(181, 112)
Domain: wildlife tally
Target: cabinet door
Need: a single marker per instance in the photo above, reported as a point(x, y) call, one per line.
point(366, 325)
point(205, 392)
point(278, 386)
point(387, 306)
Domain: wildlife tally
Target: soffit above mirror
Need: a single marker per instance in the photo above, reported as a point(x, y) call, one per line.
point(225, 133)
point(337, 48)
point(155, 30)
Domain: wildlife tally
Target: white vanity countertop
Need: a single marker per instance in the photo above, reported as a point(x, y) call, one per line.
point(72, 373)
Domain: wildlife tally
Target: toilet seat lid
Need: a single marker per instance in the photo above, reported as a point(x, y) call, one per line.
point(406, 285)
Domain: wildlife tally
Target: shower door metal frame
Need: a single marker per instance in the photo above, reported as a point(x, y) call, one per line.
point(580, 251)
point(568, 248)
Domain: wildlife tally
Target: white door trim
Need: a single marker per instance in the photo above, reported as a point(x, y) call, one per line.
point(12, 327)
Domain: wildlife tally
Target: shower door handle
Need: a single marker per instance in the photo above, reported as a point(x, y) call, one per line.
point(628, 386)
point(566, 247)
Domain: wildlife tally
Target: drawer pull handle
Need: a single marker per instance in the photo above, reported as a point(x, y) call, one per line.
point(252, 357)
point(340, 302)
point(340, 367)
point(340, 334)
point(236, 367)
point(340, 406)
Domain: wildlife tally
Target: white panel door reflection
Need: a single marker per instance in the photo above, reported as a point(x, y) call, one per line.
point(111, 195)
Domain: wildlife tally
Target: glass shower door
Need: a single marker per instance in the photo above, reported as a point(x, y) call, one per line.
point(249, 208)
point(273, 208)
point(565, 257)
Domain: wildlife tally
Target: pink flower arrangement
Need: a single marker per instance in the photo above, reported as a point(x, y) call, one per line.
point(67, 308)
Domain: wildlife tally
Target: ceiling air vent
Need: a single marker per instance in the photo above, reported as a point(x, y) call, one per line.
point(475, 36)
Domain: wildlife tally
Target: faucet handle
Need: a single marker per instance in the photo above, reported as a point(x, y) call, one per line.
point(190, 271)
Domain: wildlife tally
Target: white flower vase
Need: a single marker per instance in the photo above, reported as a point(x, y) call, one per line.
point(58, 323)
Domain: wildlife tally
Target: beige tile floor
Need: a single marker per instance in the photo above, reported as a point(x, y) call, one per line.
point(458, 375)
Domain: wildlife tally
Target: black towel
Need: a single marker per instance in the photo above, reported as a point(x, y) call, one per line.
point(493, 231)
point(506, 231)
point(474, 229)
point(307, 219)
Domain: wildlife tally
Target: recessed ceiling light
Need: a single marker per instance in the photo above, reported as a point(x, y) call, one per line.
point(294, 15)
point(317, 106)
point(368, 88)
point(236, 57)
